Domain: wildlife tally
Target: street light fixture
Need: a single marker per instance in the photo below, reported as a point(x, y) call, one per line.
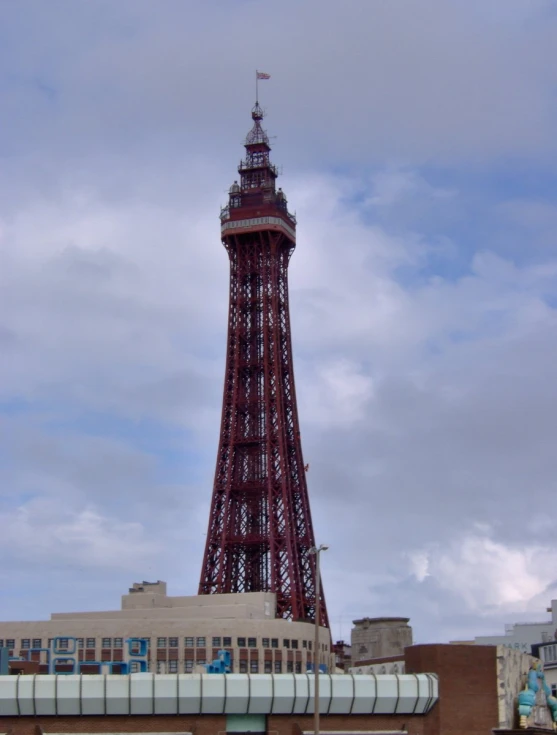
point(316, 551)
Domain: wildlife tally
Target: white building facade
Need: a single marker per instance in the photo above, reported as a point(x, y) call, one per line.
point(521, 636)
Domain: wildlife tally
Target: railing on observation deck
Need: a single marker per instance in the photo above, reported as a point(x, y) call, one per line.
point(246, 165)
point(225, 212)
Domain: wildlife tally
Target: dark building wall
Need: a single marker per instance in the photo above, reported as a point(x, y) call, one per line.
point(212, 724)
point(468, 705)
point(198, 725)
point(468, 697)
point(413, 724)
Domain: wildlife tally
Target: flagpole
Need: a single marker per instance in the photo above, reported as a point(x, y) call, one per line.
point(256, 87)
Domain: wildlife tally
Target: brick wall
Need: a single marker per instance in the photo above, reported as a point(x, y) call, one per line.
point(468, 697)
point(210, 724)
point(295, 724)
point(197, 724)
point(382, 660)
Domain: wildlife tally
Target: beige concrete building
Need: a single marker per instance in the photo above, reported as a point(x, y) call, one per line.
point(183, 632)
point(379, 638)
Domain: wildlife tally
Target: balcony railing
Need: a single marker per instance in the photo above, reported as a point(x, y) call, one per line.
point(225, 213)
point(246, 165)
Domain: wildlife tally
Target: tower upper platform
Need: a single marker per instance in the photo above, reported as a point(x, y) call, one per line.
point(255, 203)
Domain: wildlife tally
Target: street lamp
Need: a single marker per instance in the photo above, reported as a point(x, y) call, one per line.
point(316, 550)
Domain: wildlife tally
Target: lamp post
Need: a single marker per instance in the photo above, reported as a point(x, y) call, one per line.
point(316, 550)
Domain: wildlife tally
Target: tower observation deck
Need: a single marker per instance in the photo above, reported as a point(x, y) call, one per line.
point(260, 529)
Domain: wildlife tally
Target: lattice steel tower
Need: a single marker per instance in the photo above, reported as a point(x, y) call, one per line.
point(260, 529)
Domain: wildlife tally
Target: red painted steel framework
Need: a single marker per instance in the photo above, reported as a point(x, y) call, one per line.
point(260, 529)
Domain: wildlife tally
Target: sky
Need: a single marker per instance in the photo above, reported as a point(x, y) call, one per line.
point(418, 149)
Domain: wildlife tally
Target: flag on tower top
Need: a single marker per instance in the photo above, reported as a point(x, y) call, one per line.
point(262, 75)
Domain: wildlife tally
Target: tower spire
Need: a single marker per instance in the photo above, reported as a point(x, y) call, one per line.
point(260, 530)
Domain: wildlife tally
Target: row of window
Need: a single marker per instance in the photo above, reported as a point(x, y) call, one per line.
point(63, 642)
point(86, 642)
point(269, 667)
point(253, 667)
point(242, 642)
point(189, 642)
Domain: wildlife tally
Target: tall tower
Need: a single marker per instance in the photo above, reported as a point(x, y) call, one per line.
point(260, 530)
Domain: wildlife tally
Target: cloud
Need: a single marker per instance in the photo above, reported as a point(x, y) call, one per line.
point(391, 186)
point(407, 88)
point(425, 407)
point(41, 534)
point(423, 293)
point(486, 573)
point(336, 393)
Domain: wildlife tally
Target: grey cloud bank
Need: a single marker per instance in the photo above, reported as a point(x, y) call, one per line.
point(424, 337)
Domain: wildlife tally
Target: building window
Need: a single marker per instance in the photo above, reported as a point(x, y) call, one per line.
point(286, 642)
point(90, 643)
point(173, 667)
point(63, 643)
point(278, 667)
point(267, 667)
point(173, 643)
point(309, 645)
point(265, 642)
point(294, 644)
point(226, 641)
point(188, 665)
point(289, 667)
point(200, 642)
point(10, 643)
point(107, 643)
point(188, 642)
point(80, 643)
point(252, 642)
point(1, 643)
point(216, 641)
point(549, 653)
point(161, 667)
point(241, 642)
point(304, 644)
point(134, 667)
point(274, 642)
point(243, 667)
point(554, 690)
point(201, 661)
point(161, 642)
point(26, 643)
point(254, 667)
point(298, 667)
point(118, 642)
